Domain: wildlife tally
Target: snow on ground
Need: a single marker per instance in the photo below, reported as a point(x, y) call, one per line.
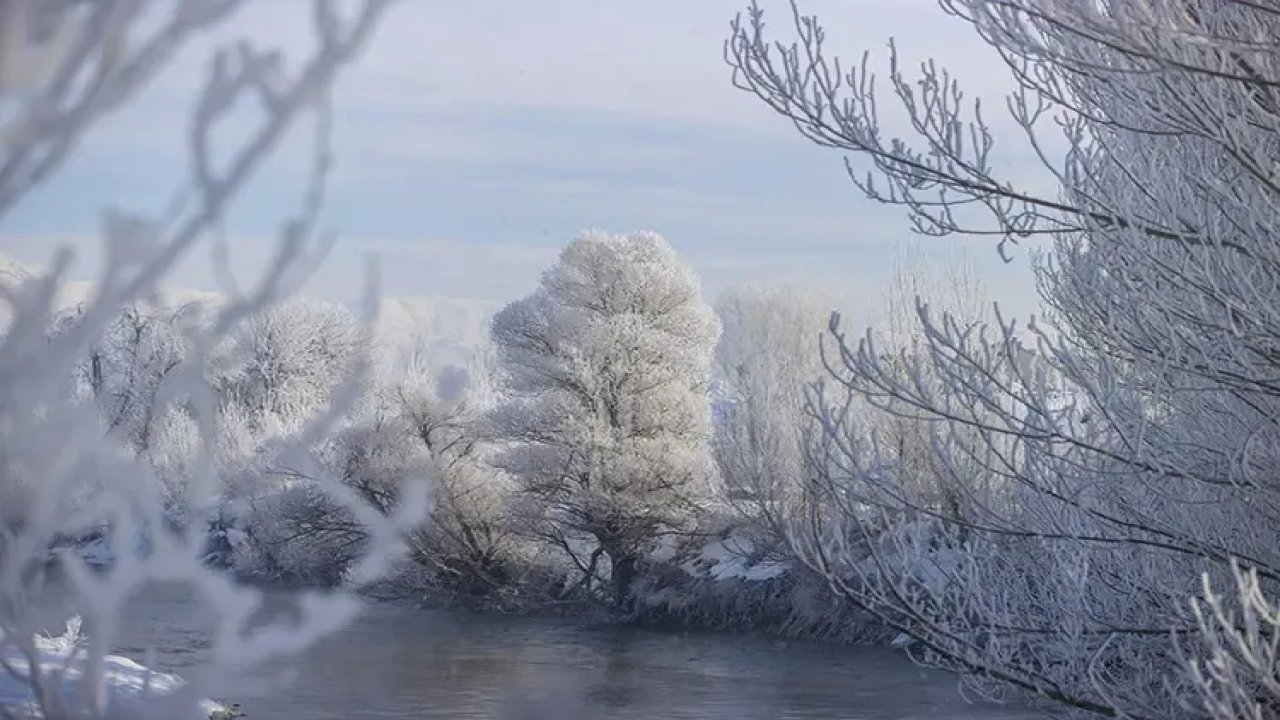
point(131, 686)
point(909, 551)
point(728, 558)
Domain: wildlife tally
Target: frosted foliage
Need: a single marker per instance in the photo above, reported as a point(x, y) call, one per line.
point(469, 543)
point(286, 360)
point(108, 423)
point(412, 423)
point(607, 366)
point(297, 530)
point(174, 443)
point(127, 367)
point(767, 357)
point(1105, 464)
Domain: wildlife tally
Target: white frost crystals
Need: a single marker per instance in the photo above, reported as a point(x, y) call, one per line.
point(66, 472)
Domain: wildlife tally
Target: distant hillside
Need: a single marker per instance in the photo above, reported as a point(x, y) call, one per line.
point(445, 330)
point(76, 292)
point(12, 271)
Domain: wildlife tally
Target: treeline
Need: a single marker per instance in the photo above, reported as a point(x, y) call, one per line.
point(620, 444)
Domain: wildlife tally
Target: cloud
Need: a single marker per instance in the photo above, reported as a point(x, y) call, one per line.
point(661, 58)
point(657, 60)
point(475, 139)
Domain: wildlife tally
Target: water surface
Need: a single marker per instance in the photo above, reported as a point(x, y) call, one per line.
point(400, 662)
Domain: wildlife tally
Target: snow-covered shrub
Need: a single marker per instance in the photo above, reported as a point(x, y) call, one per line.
point(412, 421)
point(293, 529)
point(273, 372)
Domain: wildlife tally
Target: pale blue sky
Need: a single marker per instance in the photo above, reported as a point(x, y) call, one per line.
point(474, 139)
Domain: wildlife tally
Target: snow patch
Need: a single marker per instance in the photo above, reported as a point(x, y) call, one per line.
point(730, 559)
point(131, 686)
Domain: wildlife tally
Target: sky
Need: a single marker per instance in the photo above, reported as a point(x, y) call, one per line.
point(475, 139)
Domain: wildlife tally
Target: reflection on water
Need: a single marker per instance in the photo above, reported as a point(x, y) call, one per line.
point(397, 662)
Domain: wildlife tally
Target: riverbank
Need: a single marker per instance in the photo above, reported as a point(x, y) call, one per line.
point(716, 587)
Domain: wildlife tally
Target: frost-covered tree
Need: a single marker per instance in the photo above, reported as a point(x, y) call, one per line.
point(63, 67)
point(1125, 450)
point(767, 357)
point(469, 547)
point(411, 422)
point(294, 529)
point(127, 367)
point(606, 417)
point(129, 375)
point(898, 437)
point(273, 372)
point(284, 362)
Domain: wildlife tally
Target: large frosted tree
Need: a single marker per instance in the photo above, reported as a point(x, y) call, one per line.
point(607, 418)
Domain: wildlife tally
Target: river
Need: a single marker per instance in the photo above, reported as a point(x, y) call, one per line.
point(398, 662)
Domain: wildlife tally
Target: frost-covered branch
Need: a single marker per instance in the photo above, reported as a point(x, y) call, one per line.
point(1078, 474)
point(66, 472)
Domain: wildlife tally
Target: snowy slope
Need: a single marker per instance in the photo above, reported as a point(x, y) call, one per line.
point(446, 330)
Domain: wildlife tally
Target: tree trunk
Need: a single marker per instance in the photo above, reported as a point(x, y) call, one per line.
point(624, 569)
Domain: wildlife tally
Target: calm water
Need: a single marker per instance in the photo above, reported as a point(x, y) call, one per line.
point(397, 662)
